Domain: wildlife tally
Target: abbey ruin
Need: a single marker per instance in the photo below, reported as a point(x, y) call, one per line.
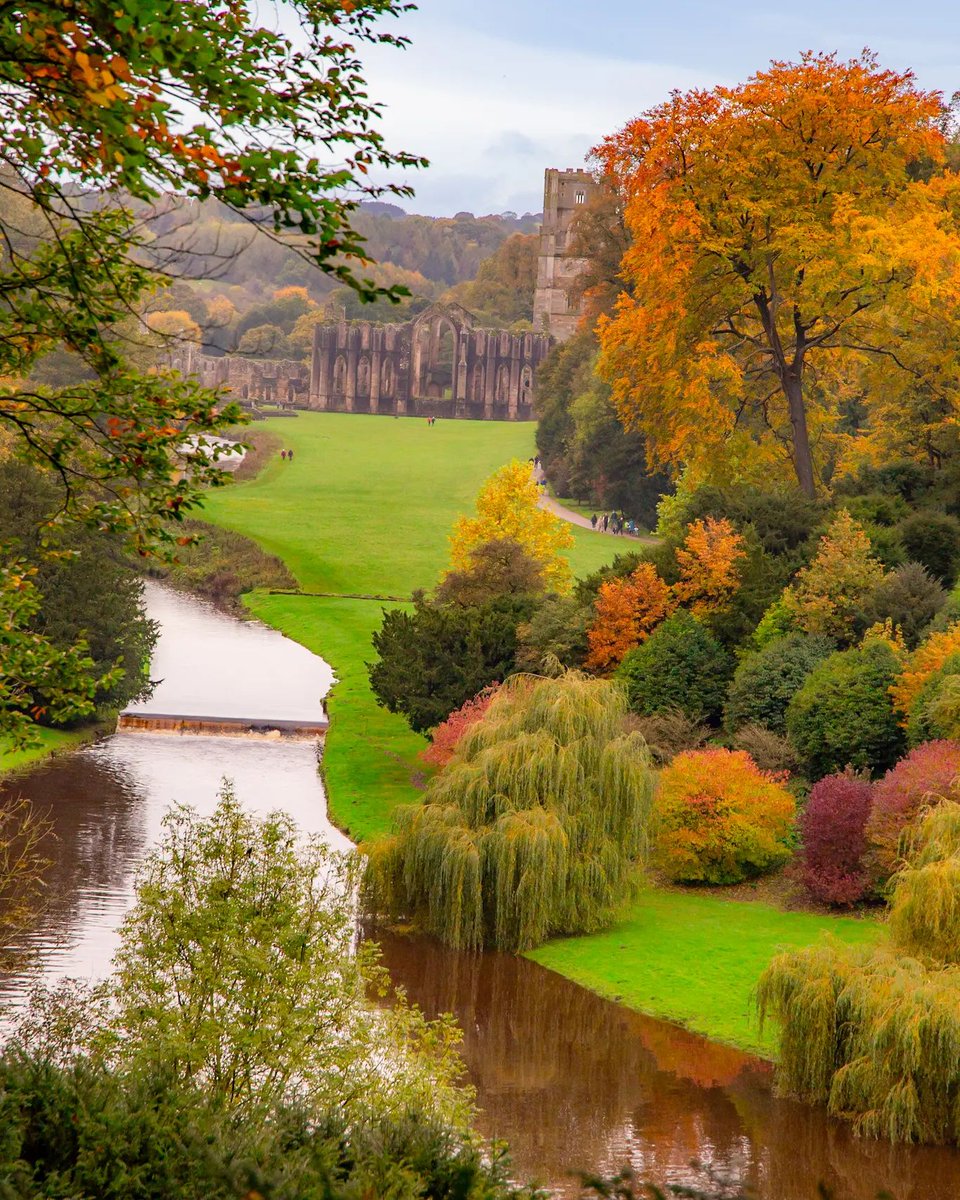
point(439, 364)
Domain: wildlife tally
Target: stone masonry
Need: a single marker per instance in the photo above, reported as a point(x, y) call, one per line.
point(563, 194)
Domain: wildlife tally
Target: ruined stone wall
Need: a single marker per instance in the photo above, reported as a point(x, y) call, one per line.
point(440, 365)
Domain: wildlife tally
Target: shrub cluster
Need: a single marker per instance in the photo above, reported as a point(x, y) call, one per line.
point(833, 839)
point(681, 665)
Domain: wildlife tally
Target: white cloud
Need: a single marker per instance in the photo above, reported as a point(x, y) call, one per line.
point(491, 114)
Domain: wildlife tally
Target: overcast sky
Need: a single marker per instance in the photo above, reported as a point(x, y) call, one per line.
point(494, 91)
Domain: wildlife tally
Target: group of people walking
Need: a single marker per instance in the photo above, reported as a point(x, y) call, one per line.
point(287, 455)
point(614, 522)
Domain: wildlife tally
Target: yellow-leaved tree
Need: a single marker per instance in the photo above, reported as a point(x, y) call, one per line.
point(508, 506)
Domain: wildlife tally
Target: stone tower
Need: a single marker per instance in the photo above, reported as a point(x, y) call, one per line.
point(563, 193)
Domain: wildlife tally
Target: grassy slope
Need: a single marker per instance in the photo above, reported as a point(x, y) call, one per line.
point(694, 958)
point(366, 507)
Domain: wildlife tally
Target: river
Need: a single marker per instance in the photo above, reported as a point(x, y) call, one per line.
point(570, 1080)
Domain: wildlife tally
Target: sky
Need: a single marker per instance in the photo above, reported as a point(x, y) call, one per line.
point(495, 91)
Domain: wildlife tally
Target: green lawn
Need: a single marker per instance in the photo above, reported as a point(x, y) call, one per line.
point(694, 958)
point(368, 502)
point(365, 508)
point(52, 741)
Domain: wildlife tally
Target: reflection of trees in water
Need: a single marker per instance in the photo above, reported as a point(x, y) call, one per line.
point(851, 1168)
point(95, 811)
point(574, 1081)
point(570, 1079)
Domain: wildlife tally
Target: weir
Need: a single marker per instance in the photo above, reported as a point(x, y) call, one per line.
point(212, 726)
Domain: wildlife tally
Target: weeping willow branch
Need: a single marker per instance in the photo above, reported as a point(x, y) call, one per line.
point(536, 827)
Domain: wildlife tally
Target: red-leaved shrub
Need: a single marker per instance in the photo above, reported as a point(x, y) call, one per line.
point(443, 739)
point(832, 829)
point(923, 775)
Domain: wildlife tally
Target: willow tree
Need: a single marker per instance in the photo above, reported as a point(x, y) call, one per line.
point(874, 1032)
point(536, 827)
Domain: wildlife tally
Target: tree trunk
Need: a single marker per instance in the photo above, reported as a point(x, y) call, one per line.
point(802, 457)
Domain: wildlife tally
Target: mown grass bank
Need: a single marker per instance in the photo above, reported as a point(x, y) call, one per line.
point(365, 508)
point(51, 741)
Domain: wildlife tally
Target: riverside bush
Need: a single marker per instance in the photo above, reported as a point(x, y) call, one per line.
point(82, 1130)
point(926, 772)
point(681, 665)
point(720, 819)
point(843, 714)
point(766, 681)
point(536, 827)
point(830, 863)
point(874, 1033)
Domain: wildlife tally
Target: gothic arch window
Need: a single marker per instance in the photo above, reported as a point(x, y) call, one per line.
point(526, 385)
point(386, 379)
point(340, 376)
point(363, 377)
point(476, 390)
point(503, 385)
point(581, 197)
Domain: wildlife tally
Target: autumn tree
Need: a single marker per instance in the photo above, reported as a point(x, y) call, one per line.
point(508, 507)
point(776, 228)
point(627, 611)
point(830, 594)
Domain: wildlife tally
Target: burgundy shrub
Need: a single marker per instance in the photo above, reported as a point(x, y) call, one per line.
point(832, 829)
point(925, 774)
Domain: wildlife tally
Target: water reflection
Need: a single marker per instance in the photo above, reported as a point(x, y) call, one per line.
point(575, 1082)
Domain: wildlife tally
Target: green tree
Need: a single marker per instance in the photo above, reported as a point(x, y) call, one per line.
point(536, 827)
point(239, 971)
point(681, 665)
point(843, 714)
point(766, 681)
point(435, 658)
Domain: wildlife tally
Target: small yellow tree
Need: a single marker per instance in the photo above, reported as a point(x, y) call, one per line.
point(508, 507)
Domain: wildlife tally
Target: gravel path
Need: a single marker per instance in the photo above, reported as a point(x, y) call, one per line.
point(567, 514)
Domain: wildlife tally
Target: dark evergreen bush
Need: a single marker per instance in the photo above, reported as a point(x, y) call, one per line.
point(680, 666)
point(910, 597)
point(933, 539)
point(766, 681)
point(843, 714)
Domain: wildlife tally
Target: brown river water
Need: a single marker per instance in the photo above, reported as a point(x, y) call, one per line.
point(569, 1080)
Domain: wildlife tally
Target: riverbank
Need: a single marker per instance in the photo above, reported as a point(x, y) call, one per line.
point(365, 508)
point(51, 742)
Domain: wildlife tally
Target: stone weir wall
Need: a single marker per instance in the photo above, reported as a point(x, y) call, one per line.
point(439, 364)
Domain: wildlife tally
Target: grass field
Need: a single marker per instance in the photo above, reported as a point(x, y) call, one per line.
point(694, 958)
point(365, 507)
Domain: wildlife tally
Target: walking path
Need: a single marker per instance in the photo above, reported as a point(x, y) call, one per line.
point(567, 514)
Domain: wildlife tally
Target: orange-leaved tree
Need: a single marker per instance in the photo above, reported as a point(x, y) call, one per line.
point(627, 611)
point(927, 659)
point(708, 562)
point(508, 506)
point(766, 223)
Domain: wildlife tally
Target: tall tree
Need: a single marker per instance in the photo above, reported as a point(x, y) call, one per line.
point(765, 222)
